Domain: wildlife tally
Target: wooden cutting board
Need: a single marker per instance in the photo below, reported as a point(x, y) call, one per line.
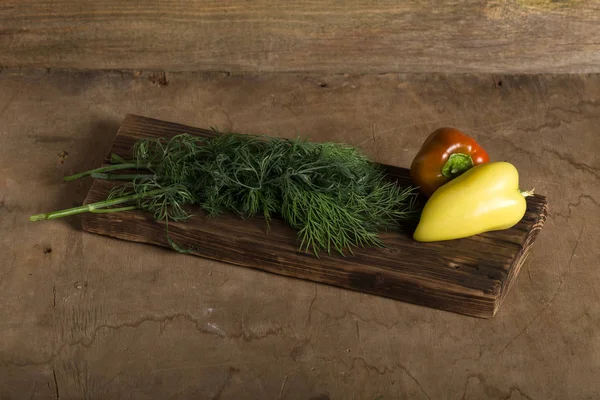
point(470, 276)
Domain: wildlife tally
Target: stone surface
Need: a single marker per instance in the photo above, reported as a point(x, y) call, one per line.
point(85, 316)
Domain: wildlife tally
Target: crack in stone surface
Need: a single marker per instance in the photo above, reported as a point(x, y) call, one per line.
point(562, 157)
point(230, 372)
point(572, 206)
point(356, 316)
point(492, 390)
point(568, 268)
point(88, 340)
point(385, 370)
point(57, 391)
point(586, 107)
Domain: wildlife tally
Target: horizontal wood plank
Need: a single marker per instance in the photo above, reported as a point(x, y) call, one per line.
point(362, 36)
point(469, 276)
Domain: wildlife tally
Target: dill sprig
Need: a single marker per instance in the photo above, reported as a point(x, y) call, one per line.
point(332, 194)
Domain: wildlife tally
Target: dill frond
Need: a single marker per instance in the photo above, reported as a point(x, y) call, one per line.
point(332, 194)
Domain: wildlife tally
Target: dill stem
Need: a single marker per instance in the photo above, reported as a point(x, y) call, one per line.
point(116, 159)
point(95, 207)
point(120, 177)
point(107, 168)
point(116, 209)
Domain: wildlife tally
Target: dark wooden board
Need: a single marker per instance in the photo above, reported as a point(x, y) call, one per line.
point(366, 36)
point(470, 276)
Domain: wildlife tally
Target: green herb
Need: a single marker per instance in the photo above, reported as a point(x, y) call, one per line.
point(332, 194)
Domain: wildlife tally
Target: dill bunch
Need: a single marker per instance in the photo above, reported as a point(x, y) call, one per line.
point(332, 194)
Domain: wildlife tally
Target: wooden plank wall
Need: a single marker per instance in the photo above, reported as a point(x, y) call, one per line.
point(359, 36)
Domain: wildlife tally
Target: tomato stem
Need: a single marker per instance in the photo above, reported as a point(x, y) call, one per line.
point(456, 165)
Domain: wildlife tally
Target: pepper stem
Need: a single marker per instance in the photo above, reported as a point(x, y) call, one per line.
point(527, 193)
point(456, 165)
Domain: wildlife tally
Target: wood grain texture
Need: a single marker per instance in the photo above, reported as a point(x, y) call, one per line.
point(469, 276)
point(504, 36)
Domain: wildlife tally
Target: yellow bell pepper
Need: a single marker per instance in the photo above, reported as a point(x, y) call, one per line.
point(482, 199)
